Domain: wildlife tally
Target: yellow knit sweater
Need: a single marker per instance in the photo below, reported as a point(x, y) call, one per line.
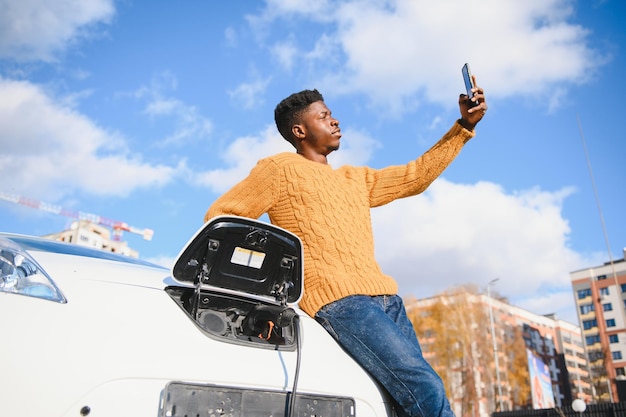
point(329, 209)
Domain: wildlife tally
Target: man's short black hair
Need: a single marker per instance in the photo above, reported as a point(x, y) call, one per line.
point(289, 111)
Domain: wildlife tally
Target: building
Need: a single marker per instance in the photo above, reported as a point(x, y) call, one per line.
point(560, 346)
point(570, 344)
point(88, 229)
point(599, 293)
point(481, 376)
point(85, 233)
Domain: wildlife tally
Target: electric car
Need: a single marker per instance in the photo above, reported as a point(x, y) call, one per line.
point(90, 333)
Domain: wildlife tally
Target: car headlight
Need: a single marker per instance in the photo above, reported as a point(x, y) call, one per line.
point(21, 274)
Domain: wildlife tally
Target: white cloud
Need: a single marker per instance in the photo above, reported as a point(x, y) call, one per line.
point(459, 233)
point(285, 52)
point(395, 51)
point(240, 157)
point(40, 29)
point(189, 124)
point(560, 302)
point(316, 10)
point(248, 95)
point(50, 149)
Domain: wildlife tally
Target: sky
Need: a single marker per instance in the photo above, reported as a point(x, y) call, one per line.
point(146, 111)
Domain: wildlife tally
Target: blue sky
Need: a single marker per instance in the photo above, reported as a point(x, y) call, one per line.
point(145, 111)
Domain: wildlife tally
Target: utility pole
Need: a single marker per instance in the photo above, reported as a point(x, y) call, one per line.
point(495, 345)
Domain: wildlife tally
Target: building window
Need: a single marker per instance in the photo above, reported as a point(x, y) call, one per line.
point(604, 291)
point(613, 338)
point(607, 307)
point(590, 324)
point(587, 293)
point(600, 277)
point(617, 355)
point(596, 354)
point(586, 308)
point(623, 287)
point(610, 323)
point(591, 340)
point(620, 372)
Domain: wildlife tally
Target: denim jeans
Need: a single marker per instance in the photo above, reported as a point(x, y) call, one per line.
point(377, 333)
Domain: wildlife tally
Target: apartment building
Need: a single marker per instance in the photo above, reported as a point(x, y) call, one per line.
point(483, 377)
point(599, 292)
point(85, 233)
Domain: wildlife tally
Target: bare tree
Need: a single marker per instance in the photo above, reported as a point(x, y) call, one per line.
point(454, 330)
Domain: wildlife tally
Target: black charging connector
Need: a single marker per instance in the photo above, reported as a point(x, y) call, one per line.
point(262, 320)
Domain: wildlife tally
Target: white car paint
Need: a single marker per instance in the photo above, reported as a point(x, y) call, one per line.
point(116, 343)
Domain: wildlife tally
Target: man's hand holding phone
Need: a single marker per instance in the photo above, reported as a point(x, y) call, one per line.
point(473, 106)
point(469, 85)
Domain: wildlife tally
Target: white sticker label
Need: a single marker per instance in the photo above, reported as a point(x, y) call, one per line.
point(248, 257)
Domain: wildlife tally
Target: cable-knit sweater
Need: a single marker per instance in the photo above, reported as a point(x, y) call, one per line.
point(329, 209)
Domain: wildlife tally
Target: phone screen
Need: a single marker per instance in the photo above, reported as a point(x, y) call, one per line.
point(469, 84)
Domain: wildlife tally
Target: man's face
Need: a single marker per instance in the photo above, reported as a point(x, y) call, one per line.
point(321, 129)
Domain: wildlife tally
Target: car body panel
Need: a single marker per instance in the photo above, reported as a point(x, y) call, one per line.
point(120, 339)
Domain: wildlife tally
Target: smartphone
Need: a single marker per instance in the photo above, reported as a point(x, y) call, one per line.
point(469, 84)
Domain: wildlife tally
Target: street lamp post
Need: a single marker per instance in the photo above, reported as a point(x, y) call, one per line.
point(493, 337)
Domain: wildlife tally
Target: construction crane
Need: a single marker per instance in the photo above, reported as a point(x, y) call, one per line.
point(117, 226)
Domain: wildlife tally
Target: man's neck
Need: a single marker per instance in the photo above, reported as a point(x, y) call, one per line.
point(315, 157)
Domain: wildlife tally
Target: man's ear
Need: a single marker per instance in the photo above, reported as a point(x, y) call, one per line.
point(298, 131)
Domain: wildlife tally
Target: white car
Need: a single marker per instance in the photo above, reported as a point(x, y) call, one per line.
point(90, 333)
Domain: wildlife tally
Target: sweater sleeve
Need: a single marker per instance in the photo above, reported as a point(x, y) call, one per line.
point(251, 197)
point(390, 183)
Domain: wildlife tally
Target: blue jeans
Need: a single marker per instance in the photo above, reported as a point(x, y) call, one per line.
point(376, 332)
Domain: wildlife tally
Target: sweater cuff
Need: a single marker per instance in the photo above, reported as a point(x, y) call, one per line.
point(458, 129)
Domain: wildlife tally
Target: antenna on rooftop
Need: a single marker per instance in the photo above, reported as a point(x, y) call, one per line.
point(595, 191)
point(606, 237)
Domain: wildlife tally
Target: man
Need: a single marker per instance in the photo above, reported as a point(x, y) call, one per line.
point(329, 209)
